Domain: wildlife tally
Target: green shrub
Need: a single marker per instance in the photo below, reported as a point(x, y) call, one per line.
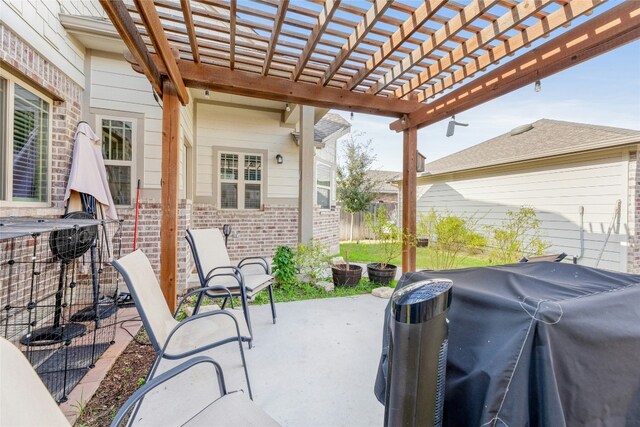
point(310, 259)
point(516, 236)
point(451, 237)
point(386, 232)
point(284, 269)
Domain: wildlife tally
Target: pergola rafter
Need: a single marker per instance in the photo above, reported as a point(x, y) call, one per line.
point(385, 58)
point(329, 9)
point(370, 18)
point(453, 27)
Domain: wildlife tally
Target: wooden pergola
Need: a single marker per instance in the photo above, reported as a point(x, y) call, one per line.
point(390, 58)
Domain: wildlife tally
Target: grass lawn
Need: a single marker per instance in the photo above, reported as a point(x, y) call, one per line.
point(302, 291)
point(371, 252)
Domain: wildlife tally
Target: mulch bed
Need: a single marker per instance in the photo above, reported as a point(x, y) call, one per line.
point(124, 378)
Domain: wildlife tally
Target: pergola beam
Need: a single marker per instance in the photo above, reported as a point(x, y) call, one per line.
point(375, 12)
point(611, 29)
point(273, 42)
point(412, 24)
point(122, 21)
point(237, 82)
point(506, 22)
point(329, 9)
point(191, 31)
point(451, 28)
point(152, 23)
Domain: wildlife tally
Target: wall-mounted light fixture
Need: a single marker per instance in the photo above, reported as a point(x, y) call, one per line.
point(206, 94)
point(279, 159)
point(287, 108)
point(538, 86)
point(452, 126)
point(352, 115)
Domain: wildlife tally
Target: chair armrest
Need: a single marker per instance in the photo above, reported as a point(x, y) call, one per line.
point(203, 347)
point(200, 290)
point(237, 274)
point(235, 271)
point(164, 377)
point(255, 260)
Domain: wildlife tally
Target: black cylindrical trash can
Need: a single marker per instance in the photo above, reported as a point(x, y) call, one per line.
point(417, 354)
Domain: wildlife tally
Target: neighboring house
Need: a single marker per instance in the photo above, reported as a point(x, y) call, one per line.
point(573, 174)
point(386, 191)
point(62, 62)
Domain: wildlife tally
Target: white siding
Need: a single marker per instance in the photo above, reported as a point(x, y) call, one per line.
point(115, 86)
point(186, 137)
point(555, 189)
point(223, 126)
point(36, 21)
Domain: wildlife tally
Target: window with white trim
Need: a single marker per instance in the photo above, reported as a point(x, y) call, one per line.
point(25, 119)
point(240, 181)
point(118, 151)
point(323, 186)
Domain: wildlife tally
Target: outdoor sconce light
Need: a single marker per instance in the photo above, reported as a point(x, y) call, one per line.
point(538, 86)
point(287, 108)
point(226, 230)
point(279, 159)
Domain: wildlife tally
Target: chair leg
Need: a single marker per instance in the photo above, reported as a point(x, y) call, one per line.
point(247, 317)
point(196, 308)
point(273, 306)
point(244, 365)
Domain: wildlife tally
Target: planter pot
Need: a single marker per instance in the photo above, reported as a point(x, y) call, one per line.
point(344, 277)
point(422, 242)
point(379, 275)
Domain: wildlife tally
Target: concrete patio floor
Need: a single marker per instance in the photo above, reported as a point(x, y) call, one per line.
point(315, 367)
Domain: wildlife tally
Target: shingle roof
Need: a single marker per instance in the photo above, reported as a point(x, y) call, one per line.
point(384, 179)
point(546, 138)
point(330, 124)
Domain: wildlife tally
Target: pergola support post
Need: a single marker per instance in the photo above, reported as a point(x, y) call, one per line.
point(169, 182)
point(306, 195)
point(410, 147)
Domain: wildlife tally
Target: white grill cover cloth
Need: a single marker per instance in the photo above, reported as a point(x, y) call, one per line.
point(88, 173)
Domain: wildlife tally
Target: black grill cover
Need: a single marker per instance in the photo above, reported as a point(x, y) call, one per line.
point(539, 344)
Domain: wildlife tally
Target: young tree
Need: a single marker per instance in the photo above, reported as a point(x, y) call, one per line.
point(355, 188)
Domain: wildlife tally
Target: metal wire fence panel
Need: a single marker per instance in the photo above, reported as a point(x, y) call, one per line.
point(58, 294)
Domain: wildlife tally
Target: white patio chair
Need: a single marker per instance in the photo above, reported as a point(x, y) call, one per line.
point(214, 268)
point(170, 338)
point(25, 401)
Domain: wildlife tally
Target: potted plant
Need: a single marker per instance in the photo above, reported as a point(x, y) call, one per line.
point(345, 274)
point(390, 238)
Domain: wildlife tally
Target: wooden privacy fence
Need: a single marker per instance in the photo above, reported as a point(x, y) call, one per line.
point(360, 231)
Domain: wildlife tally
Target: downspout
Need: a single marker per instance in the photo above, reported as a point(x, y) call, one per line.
point(581, 254)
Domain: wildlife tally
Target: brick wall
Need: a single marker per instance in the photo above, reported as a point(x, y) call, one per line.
point(253, 232)
point(633, 215)
point(326, 229)
point(149, 216)
point(65, 114)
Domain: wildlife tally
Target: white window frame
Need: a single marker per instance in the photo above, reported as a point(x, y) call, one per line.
point(6, 139)
point(134, 145)
point(324, 187)
point(241, 181)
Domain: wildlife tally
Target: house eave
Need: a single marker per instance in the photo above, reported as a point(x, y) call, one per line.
point(595, 146)
point(93, 33)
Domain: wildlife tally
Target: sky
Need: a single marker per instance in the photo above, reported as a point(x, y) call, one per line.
point(602, 91)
